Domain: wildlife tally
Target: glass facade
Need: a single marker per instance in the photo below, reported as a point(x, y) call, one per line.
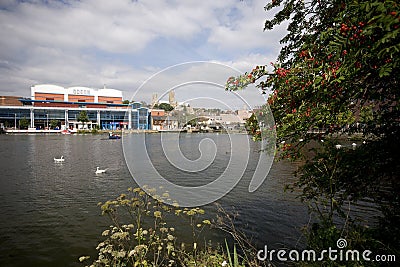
point(136, 105)
point(11, 117)
point(143, 118)
point(12, 113)
point(135, 119)
point(73, 115)
point(105, 119)
point(113, 120)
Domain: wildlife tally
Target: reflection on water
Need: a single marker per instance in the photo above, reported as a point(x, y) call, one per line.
point(49, 213)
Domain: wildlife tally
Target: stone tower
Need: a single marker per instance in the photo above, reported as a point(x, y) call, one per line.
point(154, 99)
point(172, 100)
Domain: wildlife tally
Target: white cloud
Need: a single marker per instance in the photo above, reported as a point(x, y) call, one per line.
point(96, 42)
point(247, 32)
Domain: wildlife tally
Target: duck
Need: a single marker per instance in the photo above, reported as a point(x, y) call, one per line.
point(59, 160)
point(100, 171)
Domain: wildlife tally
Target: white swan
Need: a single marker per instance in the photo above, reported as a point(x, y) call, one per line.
point(100, 171)
point(59, 160)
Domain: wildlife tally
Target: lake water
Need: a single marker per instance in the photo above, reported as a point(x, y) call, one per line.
point(49, 213)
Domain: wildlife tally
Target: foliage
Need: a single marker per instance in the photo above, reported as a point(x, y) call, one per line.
point(193, 122)
point(252, 125)
point(140, 234)
point(7, 124)
point(226, 222)
point(126, 102)
point(233, 260)
point(53, 124)
point(95, 130)
point(83, 117)
point(24, 123)
point(337, 75)
point(335, 71)
point(165, 106)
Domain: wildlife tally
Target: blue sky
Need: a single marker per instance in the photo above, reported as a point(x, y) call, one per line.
point(122, 43)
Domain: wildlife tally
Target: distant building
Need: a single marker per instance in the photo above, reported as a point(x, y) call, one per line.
point(171, 98)
point(10, 101)
point(154, 100)
point(157, 112)
point(162, 123)
point(244, 114)
point(228, 119)
point(48, 102)
point(47, 95)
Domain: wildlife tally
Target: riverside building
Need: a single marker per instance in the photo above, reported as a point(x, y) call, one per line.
point(51, 103)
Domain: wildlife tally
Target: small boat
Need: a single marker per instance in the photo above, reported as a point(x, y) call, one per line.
point(113, 136)
point(59, 160)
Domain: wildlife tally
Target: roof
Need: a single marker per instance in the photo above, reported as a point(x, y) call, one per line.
point(68, 102)
point(75, 90)
point(10, 101)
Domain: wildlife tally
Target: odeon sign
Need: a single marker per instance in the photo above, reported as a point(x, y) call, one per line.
point(81, 91)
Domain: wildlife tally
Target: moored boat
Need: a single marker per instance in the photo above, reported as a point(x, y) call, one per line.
point(113, 136)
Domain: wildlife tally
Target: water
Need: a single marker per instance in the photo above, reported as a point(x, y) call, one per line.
point(49, 213)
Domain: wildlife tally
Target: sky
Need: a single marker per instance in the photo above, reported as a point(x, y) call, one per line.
point(140, 47)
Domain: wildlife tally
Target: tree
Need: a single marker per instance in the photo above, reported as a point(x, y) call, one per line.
point(338, 71)
point(53, 124)
point(83, 117)
point(165, 106)
point(126, 102)
point(193, 122)
point(252, 126)
point(24, 123)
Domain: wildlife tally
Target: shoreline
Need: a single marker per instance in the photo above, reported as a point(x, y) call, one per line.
point(60, 132)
